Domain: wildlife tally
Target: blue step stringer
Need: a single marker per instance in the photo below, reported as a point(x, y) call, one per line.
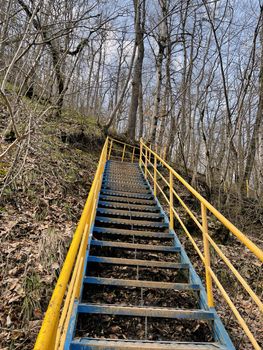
point(128, 210)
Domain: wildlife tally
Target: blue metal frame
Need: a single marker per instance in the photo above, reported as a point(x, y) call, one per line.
point(220, 333)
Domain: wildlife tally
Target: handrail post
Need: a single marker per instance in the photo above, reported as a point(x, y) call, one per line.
point(133, 151)
point(140, 160)
point(111, 142)
point(145, 163)
point(171, 201)
point(155, 176)
point(123, 153)
point(209, 290)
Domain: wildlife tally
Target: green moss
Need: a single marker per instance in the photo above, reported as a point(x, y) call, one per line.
point(3, 172)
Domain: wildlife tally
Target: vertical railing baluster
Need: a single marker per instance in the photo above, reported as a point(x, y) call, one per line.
point(155, 176)
point(209, 290)
point(111, 141)
point(171, 201)
point(145, 163)
point(123, 153)
point(140, 160)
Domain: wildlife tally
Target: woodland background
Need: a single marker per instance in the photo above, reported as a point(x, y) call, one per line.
point(186, 76)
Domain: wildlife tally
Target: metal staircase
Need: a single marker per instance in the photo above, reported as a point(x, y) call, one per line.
point(127, 282)
point(130, 251)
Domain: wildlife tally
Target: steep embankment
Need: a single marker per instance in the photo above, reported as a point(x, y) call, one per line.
point(247, 218)
point(40, 206)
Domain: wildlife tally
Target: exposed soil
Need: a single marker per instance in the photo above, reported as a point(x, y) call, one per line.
point(140, 273)
point(140, 296)
point(38, 214)
point(134, 254)
point(141, 328)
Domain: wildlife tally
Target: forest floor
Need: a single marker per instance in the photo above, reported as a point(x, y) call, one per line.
point(39, 211)
point(38, 215)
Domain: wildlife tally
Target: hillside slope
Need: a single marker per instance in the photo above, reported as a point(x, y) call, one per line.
point(41, 203)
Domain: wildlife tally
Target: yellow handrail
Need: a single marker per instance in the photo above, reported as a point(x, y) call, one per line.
point(46, 339)
point(146, 153)
point(249, 244)
point(123, 151)
point(52, 334)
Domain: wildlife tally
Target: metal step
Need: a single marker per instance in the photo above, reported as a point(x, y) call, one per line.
point(128, 206)
point(131, 222)
point(122, 181)
point(137, 262)
point(141, 311)
point(127, 200)
point(131, 214)
point(123, 169)
point(110, 344)
point(118, 231)
point(150, 247)
point(126, 194)
point(128, 189)
point(141, 283)
point(119, 178)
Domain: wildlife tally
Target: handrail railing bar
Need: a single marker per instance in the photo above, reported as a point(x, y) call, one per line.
point(65, 309)
point(46, 336)
point(54, 327)
point(121, 151)
point(179, 198)
point(189, 235)
point(239, 318)
point(160, 174)
point(248, 243)
point(64, 333)
point(253, 248)
point(236, 273)
point(232, 306)
point(215, 246)
point(164, 195)
point(123, 143)
point(209, 287)
point(188, 210)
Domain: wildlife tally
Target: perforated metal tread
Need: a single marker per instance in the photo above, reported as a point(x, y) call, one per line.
point(141, 233)
point(127, 189)
point(132, 214)
point(133, 311)
point(149, 247)
point(124, 199)
point(127, 194)
point(137, 262)
point(131, 222)
point(128, 210)
point(129, 206)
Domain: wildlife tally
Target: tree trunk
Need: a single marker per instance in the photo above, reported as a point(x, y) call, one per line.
point(258, 121)
point(137, 78)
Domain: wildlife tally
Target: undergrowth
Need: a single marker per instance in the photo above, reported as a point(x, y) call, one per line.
point(44, 191)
